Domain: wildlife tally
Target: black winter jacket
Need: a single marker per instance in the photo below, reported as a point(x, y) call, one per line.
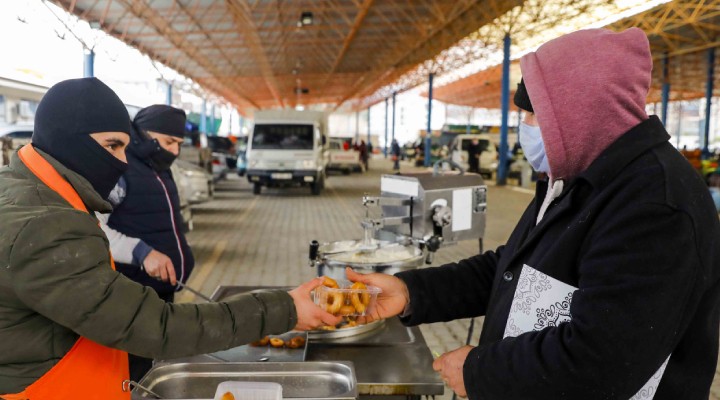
point(637, 234)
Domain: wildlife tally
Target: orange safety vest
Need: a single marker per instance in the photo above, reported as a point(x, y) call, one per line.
point(88, 371)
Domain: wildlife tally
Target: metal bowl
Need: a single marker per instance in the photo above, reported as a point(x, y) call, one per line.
point(387, 257)
point(345, 332)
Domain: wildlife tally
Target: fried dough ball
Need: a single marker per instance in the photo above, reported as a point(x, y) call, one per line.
point(327, 328)
point(227, 396)
point(260, 343)
point(277, 342)
point(346, 310)
point(330, 282)
point(359, 300)
point(296, 342)
point(335, 301)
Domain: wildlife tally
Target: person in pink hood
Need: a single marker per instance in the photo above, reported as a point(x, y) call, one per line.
point(609, 286)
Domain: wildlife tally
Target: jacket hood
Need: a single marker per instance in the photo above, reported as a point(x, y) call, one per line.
point(587, 89)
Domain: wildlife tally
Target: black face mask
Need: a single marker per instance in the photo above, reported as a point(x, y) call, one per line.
point(87, 158)
point(162, 160)
point(149, 149)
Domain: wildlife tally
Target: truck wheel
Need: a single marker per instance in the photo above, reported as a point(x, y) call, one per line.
point(257, 188)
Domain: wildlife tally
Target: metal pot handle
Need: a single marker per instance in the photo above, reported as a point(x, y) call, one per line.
point(127, 385)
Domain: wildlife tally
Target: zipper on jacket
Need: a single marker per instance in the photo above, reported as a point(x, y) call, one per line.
point(175, 231)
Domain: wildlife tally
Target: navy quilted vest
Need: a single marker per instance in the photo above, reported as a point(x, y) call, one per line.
point(151, 212)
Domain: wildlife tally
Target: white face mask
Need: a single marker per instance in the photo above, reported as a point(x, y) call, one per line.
point(532, 144)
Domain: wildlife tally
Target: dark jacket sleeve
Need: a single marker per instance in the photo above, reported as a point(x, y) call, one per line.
point(452, 291)
point(60, 268)
point(638, 290)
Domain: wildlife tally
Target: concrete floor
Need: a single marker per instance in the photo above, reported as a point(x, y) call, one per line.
point(242, 239)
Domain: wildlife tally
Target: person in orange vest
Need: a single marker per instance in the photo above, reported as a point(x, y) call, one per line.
point(67, 318)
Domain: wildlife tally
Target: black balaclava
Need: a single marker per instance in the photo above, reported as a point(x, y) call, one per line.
point(158, 118)
point(66, 116)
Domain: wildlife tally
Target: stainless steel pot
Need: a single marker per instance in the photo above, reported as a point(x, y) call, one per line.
point(385, 257)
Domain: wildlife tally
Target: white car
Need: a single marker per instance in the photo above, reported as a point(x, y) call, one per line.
point(12, 137)
point(194, 182)
point(343, 160)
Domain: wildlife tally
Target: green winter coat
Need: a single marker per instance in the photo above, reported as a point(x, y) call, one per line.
point(56, 283)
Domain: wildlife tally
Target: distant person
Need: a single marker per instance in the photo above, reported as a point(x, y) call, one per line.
point(395, 152)
point(346, 145)
point(68, 318)
point(474, 156)
point(363, 154)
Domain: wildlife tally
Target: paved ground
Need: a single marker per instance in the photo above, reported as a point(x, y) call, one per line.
point(242, 239)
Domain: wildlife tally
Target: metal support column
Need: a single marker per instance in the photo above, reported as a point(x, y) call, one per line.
point(357, 128)
point(428, 133)
point(203, 118)
point(467, 127)
point(212, 121)
point(708, 98)
point(665, 88)
point(168, 94)
point(89, 64)
point(385, 148)
point(505, 99)
point(368, 138)
point(393, 116)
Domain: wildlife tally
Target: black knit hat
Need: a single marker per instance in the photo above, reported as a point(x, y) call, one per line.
point(66, 116)
point(522, 99)
point(161, 118)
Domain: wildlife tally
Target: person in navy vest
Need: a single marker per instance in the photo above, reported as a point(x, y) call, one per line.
point(145, 226)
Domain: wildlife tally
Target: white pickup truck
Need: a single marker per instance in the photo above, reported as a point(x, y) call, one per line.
point(341, 159)
point(288, 147)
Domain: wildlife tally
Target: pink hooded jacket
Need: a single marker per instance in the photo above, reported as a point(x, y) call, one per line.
point(587, 89)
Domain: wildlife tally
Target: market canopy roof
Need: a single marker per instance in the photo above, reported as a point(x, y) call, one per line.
point(682, 30)
point(274, 53)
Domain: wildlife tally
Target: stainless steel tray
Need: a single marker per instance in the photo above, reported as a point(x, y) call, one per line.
point(249, 353)
point(307, 380)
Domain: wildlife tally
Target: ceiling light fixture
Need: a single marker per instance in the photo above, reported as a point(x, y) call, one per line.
point(306, 18)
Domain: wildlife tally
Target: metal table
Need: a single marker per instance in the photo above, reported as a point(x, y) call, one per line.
point(392, 360)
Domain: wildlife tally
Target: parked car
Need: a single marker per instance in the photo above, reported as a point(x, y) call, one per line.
point(196, 183)
point(341, 159)
point(12, 137)
point(222, 144)
point(195, 150)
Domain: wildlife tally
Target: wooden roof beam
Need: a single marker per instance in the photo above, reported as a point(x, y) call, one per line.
point(362, 13)
point(163, 28)
point(243, 15)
